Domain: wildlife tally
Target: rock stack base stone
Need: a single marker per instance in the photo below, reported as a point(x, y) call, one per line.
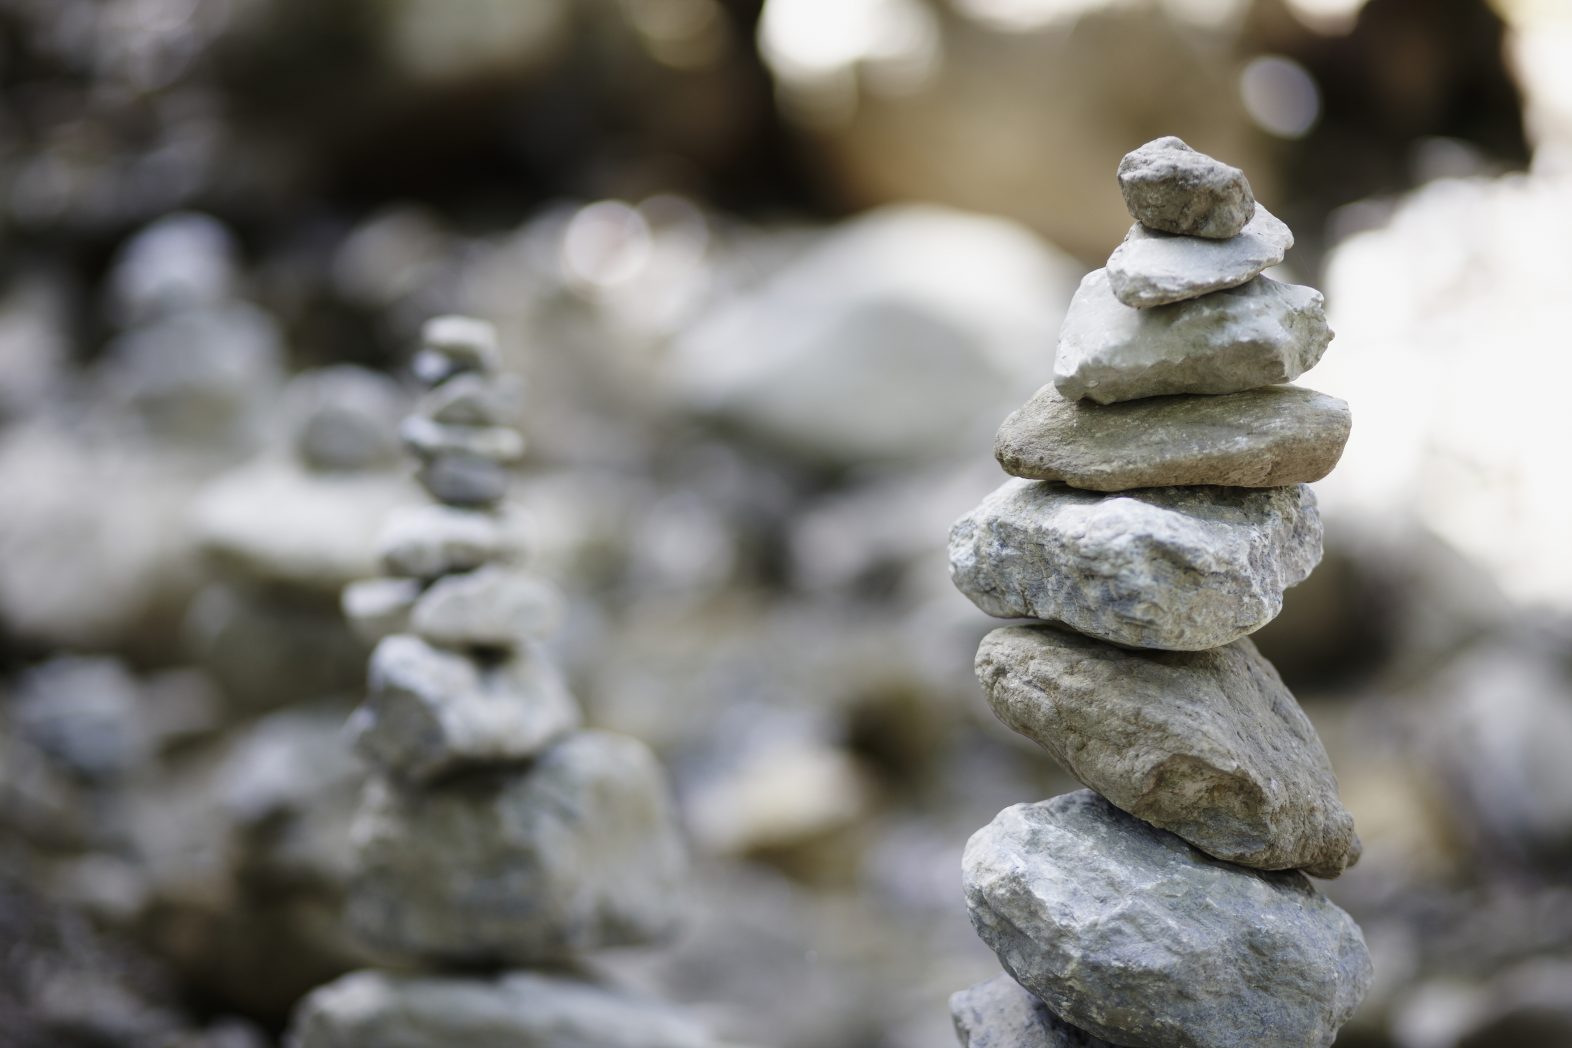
point(1159, 512)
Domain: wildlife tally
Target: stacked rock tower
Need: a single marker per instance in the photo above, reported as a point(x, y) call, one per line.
point(1159, 511)
point(494, 835)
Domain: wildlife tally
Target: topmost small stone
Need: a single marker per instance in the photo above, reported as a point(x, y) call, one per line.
point(461, 343)
point(1174, 189)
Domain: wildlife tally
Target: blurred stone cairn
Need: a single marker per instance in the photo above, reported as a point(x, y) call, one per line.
point(496, 841)
point(1159, 511)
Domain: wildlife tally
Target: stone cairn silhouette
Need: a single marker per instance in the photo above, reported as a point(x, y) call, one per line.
point(494, 836)
point(1158, 511)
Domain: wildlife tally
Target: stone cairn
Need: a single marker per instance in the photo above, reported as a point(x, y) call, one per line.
point(1159, 510)
point(494, 836)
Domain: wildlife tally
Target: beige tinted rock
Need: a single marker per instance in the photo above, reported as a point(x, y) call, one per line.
point(424, 542)
point(1000, 1014)
point(1154, 269)
point(1170, 187)
point(491, 607)
point(1258, 334)
point(1262, 438)
point(380, 607)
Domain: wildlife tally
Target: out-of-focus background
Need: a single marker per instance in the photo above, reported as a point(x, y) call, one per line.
point(773, 273)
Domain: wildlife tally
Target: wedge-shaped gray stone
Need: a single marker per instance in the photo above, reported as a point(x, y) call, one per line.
point(491, 607)
point(1132, 935)
point(1209, 744)
point(1000, 1014)
point(1257, 334)
point(1181, 569)
point(575, 851)
point(1154, 269)
point(430, 711)
point(1262, 438)
point(1170, 187)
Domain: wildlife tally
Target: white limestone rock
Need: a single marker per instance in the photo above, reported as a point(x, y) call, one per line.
point(423, 542)
point(491, 607)
point(1154, 269)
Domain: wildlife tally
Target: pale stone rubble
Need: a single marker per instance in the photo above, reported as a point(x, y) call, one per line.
point(1158, 511)
point(494, 832)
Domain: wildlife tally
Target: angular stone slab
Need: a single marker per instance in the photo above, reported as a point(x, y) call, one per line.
point(576, 851)
point(1135, 937)
point(1262, 438)
point(1257, 334)
point(1171, 187)
point(1209, 745)
point(1180, 569)
point(1154, 269)
point(999, 1014)
point(491, 607)
point(430, 711)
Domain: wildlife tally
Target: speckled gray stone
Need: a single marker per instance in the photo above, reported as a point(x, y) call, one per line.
point(491, 607)
point(1181, 569)
point(1000, 1014)
point(1257, 334)
point(1132, 935)
point(1209, 745)
point(1262, 438)
point(1154, 269)
point(1169, 186)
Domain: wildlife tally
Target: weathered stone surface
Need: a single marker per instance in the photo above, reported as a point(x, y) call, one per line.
point(1170, 187)
point(430, 711)
point(491, 607)
point(379, 607)
point(511, 1010)
point(1209, 745)
point(424, 542)
point(1000, 1014)
point(577, 850)
point(1262, 438)
point(1257, 334)
point(1134, 936)
point(1154, 269)
point(1181, 569)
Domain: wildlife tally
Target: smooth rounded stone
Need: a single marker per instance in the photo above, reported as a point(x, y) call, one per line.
point(1209, 745)
point(1171, 187)
point(1000, 1014)
point(451, 345)
point(472, 399)
point(1132, 935)
point(344, 418)
point(430, 711)
point(518, 1009)
point(461, 479)
point(423, 542)
point(491, 607)
point(1260, 333)
point(380, 607)
point(1262, 438)
point(429, 439)
point(573, 852)
point(1154, 269)
point(1180, 569)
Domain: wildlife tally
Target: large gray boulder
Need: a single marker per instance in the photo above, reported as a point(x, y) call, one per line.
point(1154, 269)
point(1180, 569)
point(1129, 933)
point(1170, 187)
point(1209, 745)
point(1000, 1014)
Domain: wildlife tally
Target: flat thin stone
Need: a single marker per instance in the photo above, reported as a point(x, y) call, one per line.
point(1171, 187)
point(428, 439)
point(1262, 438)
point(1260, 333)
point(1154, 269)
point(575, 851)
point(1209, 745)
point(469, 342)
point(424, 542)
point(1180, 569)
point(430, 711)
point(491, 607)
point(1000, 1014)
point(378, 608)
point(472, 399)
point(1132, 935)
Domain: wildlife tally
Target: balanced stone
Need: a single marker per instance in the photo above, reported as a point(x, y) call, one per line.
point(1129, 933)
point(1154, 269)
point(1170, 187)
point(430, 711)
point(1262, 438)
point(428, 439)
point(424, 542)
point(576, 851)
point(378, 608)
point(472, 400)
point(1181, 569)
point(1209, 745)
point(1257, 334)
point(491, 607)
point(469, 343)
point(1000, 1014)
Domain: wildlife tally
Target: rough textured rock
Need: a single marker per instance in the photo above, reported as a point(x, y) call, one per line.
point(380, 607)
point(511, 1010)
point(1209, 745)
point(1257, 334)
point(1154, 269)
point(491, 607)
point(1262, 438)
point(1000, 1014)
point(1134, 936)
point(425, 542)
point(1170, 187)
point(431, 710)
point(576, 851)
point(1181, 569)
